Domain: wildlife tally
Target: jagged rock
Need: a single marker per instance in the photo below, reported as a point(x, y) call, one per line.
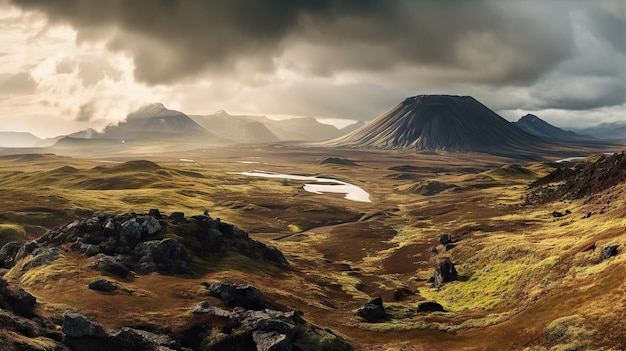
point(609, 251)
point(137, 339)
point(112, 227)
point(271, 341)
point(22, 303)
point(25, 250)
point(373, 311)
point(434, 251)
point(429, 307)
point(205, 307)
point(77, 325)
point(177, 216)
point(44, 255)
point(104, 285)
point(114, 265)
point(154, 212)
point(88, 249)
point(236, 295)
point(166, 256)
point(445, 239)
point(8, 252)
point(444, 271)
point(131, 231)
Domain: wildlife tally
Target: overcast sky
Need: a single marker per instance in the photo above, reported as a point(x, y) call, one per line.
point(66, 65)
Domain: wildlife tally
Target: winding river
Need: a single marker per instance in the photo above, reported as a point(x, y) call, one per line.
point(353, 192)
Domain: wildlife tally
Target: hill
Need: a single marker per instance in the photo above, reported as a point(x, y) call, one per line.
point(538, 127)
point(306, 129)
point(441, 123)
point(18, 139)
point(352, 127)
point(237, 128)
point(605, 131)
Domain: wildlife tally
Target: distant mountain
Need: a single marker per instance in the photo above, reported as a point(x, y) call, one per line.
point(18, 139)
point(605, 131)
point(538, 127)
point(154, 122)
point(352, 127)
point(306, 129)
point(241, 129)
point(441, 123)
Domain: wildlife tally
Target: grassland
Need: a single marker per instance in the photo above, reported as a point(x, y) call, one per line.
point(527, 280)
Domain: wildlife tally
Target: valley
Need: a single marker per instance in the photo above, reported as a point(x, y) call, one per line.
point(522, 271)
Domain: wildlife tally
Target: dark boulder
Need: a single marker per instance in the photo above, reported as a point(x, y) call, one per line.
point(76, 325)
point(136, 339)
point(373, 311)
point(445, 239)
point(25, 250)
point(113, 265)
point(104, 285)
point(165, 256)
point(444, 271)
point(609, 251)
point(236, 295)
point(177, 216)
point(7, 254)
point(154, 212)
point(429, 306)
point(22, 303)
point(112, 228)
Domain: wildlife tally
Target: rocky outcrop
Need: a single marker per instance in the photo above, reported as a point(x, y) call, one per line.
point(267, 329)
point(236, 295)
point(129, 242)
point(444, 271)
point(373, 311)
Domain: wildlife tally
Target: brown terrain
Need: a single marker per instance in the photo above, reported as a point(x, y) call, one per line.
point(531, 243)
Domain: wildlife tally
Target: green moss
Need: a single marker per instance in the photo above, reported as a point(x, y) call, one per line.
point(568, 333)
point(311, 338)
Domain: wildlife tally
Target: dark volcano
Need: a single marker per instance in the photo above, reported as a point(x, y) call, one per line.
point(441, 123)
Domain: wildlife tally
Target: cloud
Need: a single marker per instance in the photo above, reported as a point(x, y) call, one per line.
point(171, 41)
point(17, 84)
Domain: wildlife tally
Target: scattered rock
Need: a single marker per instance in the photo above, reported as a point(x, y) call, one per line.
point(373, 311)
point(609, 251)
point(136, 339)
point(113, 265)
point(445, 239)
point(77, 325)
point(8, 252)
point(236, 295)
point(444, 271)
point(429, 307)
point(22, 303)
point(588, 215)
point(104, 285)
point(434, 250)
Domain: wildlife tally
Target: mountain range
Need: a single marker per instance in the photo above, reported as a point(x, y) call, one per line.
point(423, 122)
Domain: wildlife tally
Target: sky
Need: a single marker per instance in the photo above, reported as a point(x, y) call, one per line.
point(68, 65)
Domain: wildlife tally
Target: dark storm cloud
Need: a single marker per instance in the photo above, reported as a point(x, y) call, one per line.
point(173, 40)
point(18, 83)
